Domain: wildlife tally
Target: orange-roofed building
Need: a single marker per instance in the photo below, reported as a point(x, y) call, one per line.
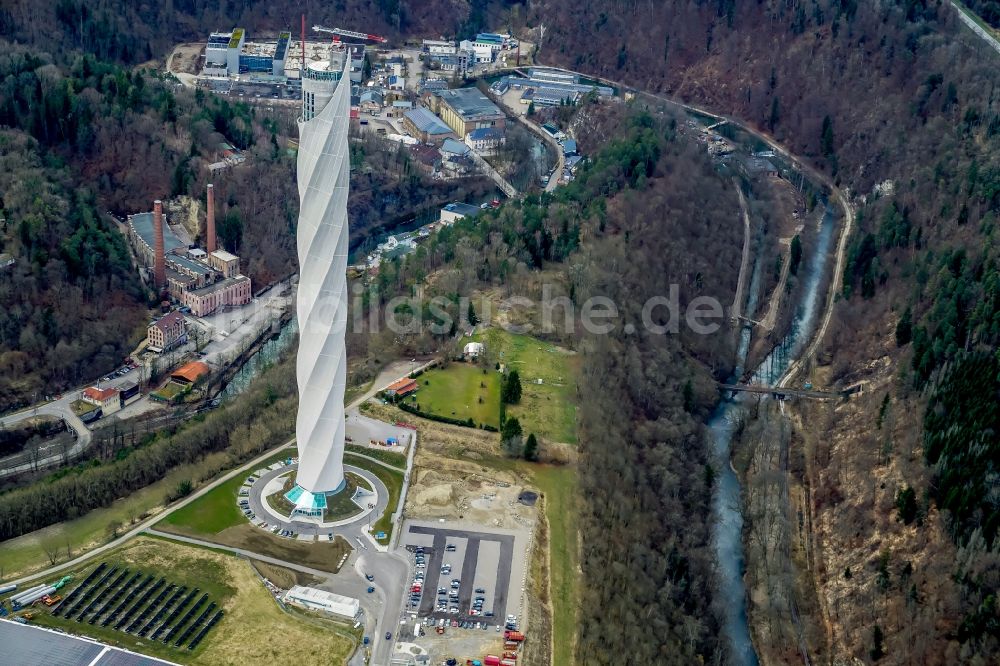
point(402, 387)
point(107, 399)
point(189, 373)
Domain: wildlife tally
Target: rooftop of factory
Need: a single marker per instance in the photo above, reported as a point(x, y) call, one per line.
point(142, 223)
point(470, 103)
point(219, 286)
point(220, 39)
point(190, 265)
point(425, 121)
point(489, 38)
point(222, 255)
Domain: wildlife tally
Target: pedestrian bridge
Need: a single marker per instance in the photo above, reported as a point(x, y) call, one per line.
point(782, 393)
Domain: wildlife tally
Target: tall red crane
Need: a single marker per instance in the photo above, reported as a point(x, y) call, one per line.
point(340, 32)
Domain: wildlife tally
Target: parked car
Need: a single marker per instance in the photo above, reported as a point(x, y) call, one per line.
point(388, 635)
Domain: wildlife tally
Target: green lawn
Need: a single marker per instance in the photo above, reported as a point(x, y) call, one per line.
point(81, 407)
point(558, 484)
point(547, 409)
point(169, 391)
point(393, 482)
point(388, 457)
point(341, 506)
point(216, 510)
point(27, 553)
point(460, 391)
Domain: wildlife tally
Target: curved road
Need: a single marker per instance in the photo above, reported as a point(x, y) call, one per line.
point(386, 566)
point(58, 408)
point(807, 169)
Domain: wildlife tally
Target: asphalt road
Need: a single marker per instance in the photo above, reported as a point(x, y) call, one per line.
point(355, 533)
point(391, 572)
point(51, 453)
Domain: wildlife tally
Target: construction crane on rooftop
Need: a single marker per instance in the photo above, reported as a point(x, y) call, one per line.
point(340, 32)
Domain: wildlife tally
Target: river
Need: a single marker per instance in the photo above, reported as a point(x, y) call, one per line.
point(261, 360)
point(727, 518)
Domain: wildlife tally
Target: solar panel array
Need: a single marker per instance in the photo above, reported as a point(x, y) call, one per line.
point(142, 605)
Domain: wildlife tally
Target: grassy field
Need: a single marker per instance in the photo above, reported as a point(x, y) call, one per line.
point(460, 391)
point(169, 391)
point(277, 636)
point(393, 482)
point(28, 553)
point(81, 407)
point(547, 409)
point(215, 517)
point(217, 509)
point(341, 506)
point(559, 487)
point(388, 457)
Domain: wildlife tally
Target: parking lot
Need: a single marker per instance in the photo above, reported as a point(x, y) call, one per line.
point(466, 574)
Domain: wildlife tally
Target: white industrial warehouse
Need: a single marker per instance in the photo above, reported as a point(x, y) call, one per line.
point(312, 598)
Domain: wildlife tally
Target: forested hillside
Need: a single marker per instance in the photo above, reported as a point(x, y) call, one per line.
point(129, 32)
point(87, 137)
point(896, 101)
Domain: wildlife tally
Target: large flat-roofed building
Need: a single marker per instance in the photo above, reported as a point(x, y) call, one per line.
point(490, 40)
point(454, 212)
point(479, 53)
point(166, 332)
point(217, 54)
point(315, 599)
point(280, 54)
point(424, 125)
point(547, 75)
point(143, 237)
point(235, 49)
point(129, 393)
point(203, 281)
point(466, 109)
point(437, 47)
point(227, 292)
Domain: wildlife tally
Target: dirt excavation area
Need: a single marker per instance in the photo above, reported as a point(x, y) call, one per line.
point(456, 490)
point(185, 58)
point(460, 474)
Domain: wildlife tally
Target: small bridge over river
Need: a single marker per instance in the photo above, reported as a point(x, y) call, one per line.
point(781, 393)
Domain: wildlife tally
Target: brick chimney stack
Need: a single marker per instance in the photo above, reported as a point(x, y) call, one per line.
point(210, 242)
point(159, 258)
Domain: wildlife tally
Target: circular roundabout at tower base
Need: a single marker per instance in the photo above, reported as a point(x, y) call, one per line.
point(348, 512)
